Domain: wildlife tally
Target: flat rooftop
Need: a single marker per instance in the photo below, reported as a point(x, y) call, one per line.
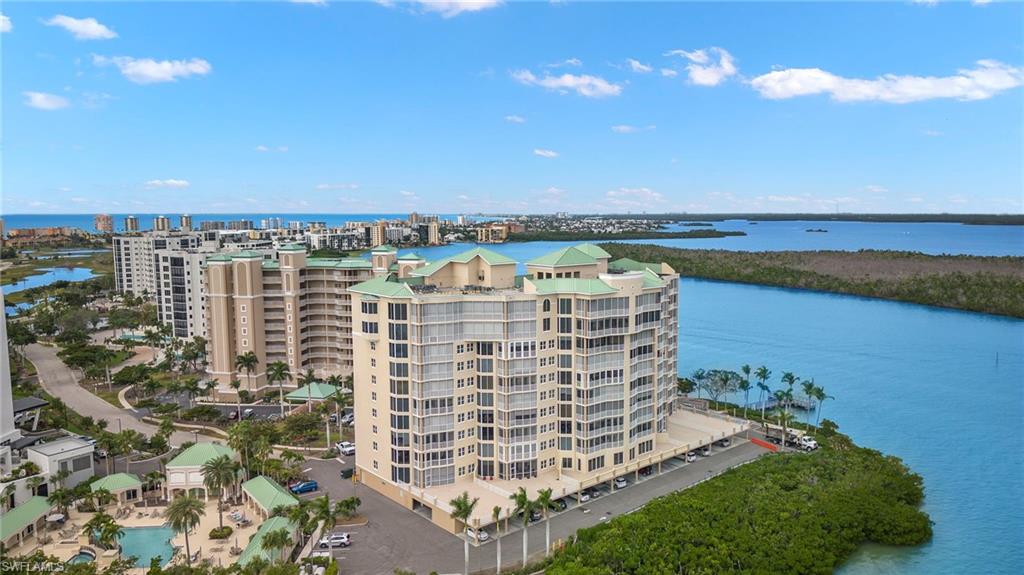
point(59, 446)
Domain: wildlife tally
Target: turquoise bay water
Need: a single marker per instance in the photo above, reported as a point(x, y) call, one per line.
point(49, 276)
point(941, 389)
point(147, 542)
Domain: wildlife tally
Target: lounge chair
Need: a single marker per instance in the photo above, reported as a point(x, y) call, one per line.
point(195, 556)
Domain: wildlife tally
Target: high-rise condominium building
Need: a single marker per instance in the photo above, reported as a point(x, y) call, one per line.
point(161, 224)
point(471, 378)
point(103, 223)
point(135, 259)
point(292, 309)
point(131, 224)
point(185, 223)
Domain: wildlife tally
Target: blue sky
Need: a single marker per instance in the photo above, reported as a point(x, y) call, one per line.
point(512, 107)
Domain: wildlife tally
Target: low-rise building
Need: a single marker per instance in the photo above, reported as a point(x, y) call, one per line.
point(72, 455)
point(185, 472)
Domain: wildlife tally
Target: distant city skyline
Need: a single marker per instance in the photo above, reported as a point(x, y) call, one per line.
point(283, 108)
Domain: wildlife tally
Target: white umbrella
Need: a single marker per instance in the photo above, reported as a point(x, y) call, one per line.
point(56, 517)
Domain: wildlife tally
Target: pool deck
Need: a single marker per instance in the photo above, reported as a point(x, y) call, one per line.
point(215, 552)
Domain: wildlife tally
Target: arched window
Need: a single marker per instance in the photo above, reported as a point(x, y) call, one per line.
point(547, 305)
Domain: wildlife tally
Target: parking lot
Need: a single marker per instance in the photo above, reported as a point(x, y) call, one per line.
point(260, 410)
point(396, 538)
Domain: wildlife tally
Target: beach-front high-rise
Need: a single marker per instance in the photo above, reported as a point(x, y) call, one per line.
point(469, 377)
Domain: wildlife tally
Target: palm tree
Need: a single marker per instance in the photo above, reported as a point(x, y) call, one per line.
point(698, 380)
point(745, 387)
point(808, 386)
point(299, 515)
point(152, 480)
point(183, 514)
point(62, 498)
point(236, 385)
point(785, 418)
point(128, 441)
point(33, 483)
point(523, 507)
point(308, 379)
point(495, 515)
point(276, 542)
point(220, 473)
point(5, 496)
point(152, 339)
point(763, 374)
point(192, 390)
point(247, 362)
point(324, 513)
point(782, 397)
point(821, 396)
point(101, 498)
point(545, 502)
point(790, 380)
point(240, 438)
point(278, 372)
point(341, 399)
point(462, 510)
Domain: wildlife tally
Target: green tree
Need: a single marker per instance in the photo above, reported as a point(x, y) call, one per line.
point(183, 514)
point(236, 385)
point(808, 389)
point(496, 516)
point(275, 542)
point(462, 510)
point(523, 507)
point(247, 362)
point(220, 473)
point(278, 372)
point(821, 396)
point(544, 502)
point(744, 386)
point(763, 374)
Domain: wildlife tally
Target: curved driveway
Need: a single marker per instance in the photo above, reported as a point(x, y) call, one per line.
point(59, 381)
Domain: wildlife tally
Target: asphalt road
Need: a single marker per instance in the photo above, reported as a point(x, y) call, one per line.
point(59, 381)
point(398, 538)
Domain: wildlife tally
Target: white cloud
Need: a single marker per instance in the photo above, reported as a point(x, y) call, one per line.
point(149, 71)
point(702, 69)
point(633, 197)
point(314, 2)
point(981, 2)
point(44, 101)
point(407, 193)
point(82, 28)
point(926, 2)
point(446, 8)
point(514, 119)
point(785, 199)
point(638, 66)
point(169, 183)
point(5, 24)
point(669, 73)
point(545, 153)
point(574, 62)
point(262, 148)
point(987, 79)
point(627, 129)
point(583, 84)
point(932, 133)
point(337, 186)
point(875, 189)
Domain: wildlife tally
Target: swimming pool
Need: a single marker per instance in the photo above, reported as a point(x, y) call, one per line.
point(83, 556)
point(147, 542)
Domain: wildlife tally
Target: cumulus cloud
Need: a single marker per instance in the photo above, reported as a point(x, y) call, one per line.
point(628, 129)
point(708, 66)
point(446, 8)
point(514, 119)
point(44, 101)
point(169, 184)
point(314, 2)
point(638, 66)
point(5, 24)
point(669, 73)
point(574, 62)
point(545, 153)
point(337, 186)
point(149, 71)
point(633, 197)
point(82, 28)
point(985, 80)
point(583, 84)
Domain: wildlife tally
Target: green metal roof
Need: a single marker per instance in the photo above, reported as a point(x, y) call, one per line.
point(292, 248)
point(271, 264)
point(593, 251)
point(412, 256)
point(580, 286)
point(393, 267)
point(219, 258)
point(17, 519)
point(492, 258)
point(569, 256)
point(246, 255)
point(381, 287)
point(200, 453)
point(652, 280)
point(339, 263)
point(268, 494)
point(255, 547)
point(117, 482)
point(384, 249)
point(315, 390)
point(628, 265)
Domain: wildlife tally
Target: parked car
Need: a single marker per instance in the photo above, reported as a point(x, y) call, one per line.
point(273, 417)
point(99, 454)
point(560, 504)
point(724, 442)
point(808, 443)
point(535, 516)
point(333, 418)
point(595, 492)
point(248, 413)
point(348, 419)
point(705, 451)
point(691, 456)
point(347, 473)
point(583, 497)
point(233, 415)
point(304, 487)
point(335, 540)
point(478, 535)
point(621, 483)
point(346, 447)
point(647, 471)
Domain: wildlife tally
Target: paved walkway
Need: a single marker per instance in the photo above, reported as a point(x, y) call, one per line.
point(59, 381)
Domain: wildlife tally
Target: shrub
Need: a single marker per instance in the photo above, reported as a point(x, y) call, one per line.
point(221, 532)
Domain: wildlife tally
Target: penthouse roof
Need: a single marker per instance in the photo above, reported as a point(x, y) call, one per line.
point(492, 258)
point(570, 256)
point(579, 286)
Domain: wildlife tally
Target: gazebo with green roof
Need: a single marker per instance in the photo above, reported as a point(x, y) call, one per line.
point(126, 486)
point(24, 521)
point(316, 391)
point(255, 547)
point(265, 495)
point(184, 472)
